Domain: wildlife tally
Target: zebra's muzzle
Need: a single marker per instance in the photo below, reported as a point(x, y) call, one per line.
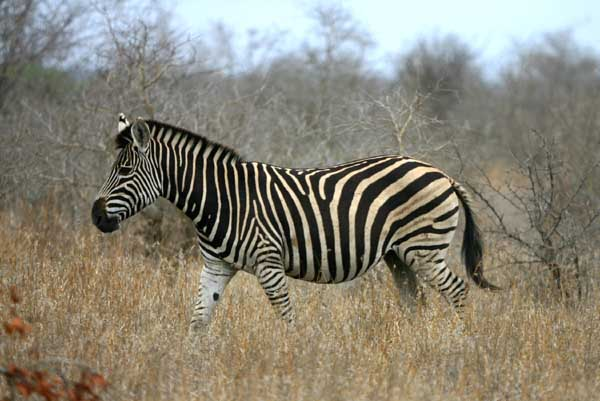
point(100, 218)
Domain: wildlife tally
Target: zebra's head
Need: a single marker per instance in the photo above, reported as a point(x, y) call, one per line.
point(133, 182)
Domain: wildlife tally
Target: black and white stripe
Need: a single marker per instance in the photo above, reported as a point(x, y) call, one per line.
point(326, 225)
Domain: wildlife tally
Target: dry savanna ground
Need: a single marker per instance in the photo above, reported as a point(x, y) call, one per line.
point(97, 301)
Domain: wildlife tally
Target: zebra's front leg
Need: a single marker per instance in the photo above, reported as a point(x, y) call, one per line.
point(213, 279)
point(273, 280)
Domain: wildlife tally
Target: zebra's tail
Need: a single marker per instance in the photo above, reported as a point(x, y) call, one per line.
point(472, 247)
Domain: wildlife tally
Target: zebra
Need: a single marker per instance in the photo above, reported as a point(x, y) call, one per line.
point(323, 225)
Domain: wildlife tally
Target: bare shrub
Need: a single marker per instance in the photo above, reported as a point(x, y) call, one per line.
point(34, 32)
point(440, 68)
point(544, 211)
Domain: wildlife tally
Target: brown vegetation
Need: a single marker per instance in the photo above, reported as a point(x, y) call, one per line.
point(96, 301)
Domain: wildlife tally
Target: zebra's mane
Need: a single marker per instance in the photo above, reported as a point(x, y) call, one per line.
point(124, 137)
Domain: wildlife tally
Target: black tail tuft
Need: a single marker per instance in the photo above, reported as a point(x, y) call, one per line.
point(472, 247)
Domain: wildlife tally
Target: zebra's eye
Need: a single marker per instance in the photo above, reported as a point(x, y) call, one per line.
point(125, 170)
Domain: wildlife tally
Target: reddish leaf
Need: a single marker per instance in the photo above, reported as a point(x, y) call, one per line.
point(24, 389)
point(8, 328)
point(16, 324)
point(82, 388)
point(71, 395)
point(47, 390)
point(17, 372)
point(39, 375)
point(14, 295)
point(97, 380)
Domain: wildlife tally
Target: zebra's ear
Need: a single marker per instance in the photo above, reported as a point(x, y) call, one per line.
point(123, 123)
point(141, 134)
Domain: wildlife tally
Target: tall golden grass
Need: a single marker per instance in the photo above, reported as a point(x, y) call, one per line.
point(98, 301)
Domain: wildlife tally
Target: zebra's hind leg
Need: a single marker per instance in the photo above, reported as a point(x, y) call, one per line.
point(405, 280)
point(431, 267)
point(213, 279)
point(273, 280)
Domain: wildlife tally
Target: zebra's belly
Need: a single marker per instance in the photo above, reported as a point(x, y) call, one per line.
point(326, 274)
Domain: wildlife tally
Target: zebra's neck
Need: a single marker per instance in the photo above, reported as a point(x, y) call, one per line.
point(195, 173)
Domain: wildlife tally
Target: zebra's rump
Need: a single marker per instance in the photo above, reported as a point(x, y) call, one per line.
point(334, 223)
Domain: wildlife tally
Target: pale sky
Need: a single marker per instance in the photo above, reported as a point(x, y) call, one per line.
point(490, 27)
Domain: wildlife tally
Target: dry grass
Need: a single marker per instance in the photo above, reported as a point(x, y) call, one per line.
point(97, 300)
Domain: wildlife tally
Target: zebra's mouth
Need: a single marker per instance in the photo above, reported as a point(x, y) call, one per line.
point(108, 225)
point(105, 223)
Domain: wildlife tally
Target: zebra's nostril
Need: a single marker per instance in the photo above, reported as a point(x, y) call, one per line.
point(99, 205)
